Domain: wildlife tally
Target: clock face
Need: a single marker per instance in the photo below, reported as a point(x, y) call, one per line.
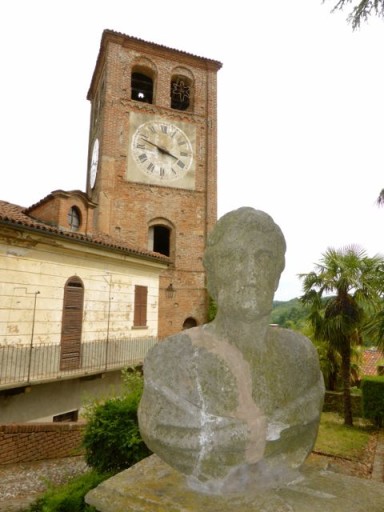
point(162, 150)
point(94, 163)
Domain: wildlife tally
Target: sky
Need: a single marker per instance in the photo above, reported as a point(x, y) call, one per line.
point(300, 108)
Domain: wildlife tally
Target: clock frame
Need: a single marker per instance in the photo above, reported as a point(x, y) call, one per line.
point(94, 163)
point(161, 151)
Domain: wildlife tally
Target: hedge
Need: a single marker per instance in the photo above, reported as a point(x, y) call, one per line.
point(373, 399)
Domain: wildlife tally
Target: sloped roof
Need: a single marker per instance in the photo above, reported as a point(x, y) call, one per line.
point(108, 32)
point(17, 216)
point(371, 359)
point(59, 192)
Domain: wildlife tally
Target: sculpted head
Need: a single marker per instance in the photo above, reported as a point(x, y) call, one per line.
point(244, 259)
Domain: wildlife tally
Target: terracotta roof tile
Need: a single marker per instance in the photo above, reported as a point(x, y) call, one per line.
point(108, 32)
point(15, 215)
point(371, 358)
point(51, 195)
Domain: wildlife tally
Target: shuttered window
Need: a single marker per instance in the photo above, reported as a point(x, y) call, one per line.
point(140, 314)
point(72, 324)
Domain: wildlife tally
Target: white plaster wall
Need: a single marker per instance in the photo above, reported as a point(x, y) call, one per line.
point(108, 279)
point(40, 403)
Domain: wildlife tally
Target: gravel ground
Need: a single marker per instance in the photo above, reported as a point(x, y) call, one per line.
point(21, 484)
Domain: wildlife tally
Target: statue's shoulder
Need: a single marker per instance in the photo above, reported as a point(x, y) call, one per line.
point(198, 349)
point(290, 342)
point(180, 348)
point(294, 350)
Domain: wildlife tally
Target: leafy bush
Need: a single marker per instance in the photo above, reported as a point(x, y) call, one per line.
point(70, 496)
point(373, 399)
point(112, 438)
point(212, 309)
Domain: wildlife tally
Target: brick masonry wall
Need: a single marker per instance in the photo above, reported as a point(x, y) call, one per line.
point(125, 209)
point(39, 441)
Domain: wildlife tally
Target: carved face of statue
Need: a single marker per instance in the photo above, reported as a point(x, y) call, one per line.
point(244, 260)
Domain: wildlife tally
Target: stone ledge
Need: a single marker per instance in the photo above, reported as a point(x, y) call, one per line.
point(153, 486)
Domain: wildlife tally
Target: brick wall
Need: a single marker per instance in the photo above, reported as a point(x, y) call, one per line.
point(54, 209)
point(38, 441)
point(127, 205)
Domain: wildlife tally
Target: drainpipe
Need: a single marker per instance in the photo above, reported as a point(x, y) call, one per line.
point(32, 333)
point(109, 316)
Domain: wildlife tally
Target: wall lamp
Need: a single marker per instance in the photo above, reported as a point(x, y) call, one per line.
point(170, 291)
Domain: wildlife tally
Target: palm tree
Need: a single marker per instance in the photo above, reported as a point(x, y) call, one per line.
point(343, 292)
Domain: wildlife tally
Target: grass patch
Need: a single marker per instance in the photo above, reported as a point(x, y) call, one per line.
point(340, 440)
point(69, 497)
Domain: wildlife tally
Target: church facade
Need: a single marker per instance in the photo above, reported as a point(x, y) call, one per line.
point(84, 272)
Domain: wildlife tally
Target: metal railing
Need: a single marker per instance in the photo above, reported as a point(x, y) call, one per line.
point(23, 365)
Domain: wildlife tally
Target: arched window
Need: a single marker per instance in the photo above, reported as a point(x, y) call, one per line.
point(181, 92)
point(141, 87)
point(74, 218)
point(159, 237)
point(72, 322)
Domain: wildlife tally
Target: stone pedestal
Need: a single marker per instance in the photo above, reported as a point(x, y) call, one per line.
point(153, 486)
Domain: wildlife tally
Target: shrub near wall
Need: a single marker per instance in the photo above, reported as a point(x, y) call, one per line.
point(333, 402)
point(373, 399)
point(38, 441)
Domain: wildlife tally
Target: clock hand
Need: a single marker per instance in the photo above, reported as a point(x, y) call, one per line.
point(151, 143)
point(162, 150)
point(166, 152)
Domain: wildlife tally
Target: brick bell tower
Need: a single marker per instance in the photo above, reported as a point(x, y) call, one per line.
point(152, 162)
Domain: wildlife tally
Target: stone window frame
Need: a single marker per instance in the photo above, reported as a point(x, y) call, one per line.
point(74, 218)
point(161, 222)
point(146, 74)
point(182, 89)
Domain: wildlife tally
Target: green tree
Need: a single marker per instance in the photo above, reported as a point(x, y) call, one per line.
point(343, 293)
point(112, 437)
point(361, 10)
point(380, 199)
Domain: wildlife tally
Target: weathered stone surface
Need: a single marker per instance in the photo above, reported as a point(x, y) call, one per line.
point(235, 400)
point(153, 486)
point(197, 411)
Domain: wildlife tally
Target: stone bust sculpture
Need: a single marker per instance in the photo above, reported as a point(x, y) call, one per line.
point(235, 402)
